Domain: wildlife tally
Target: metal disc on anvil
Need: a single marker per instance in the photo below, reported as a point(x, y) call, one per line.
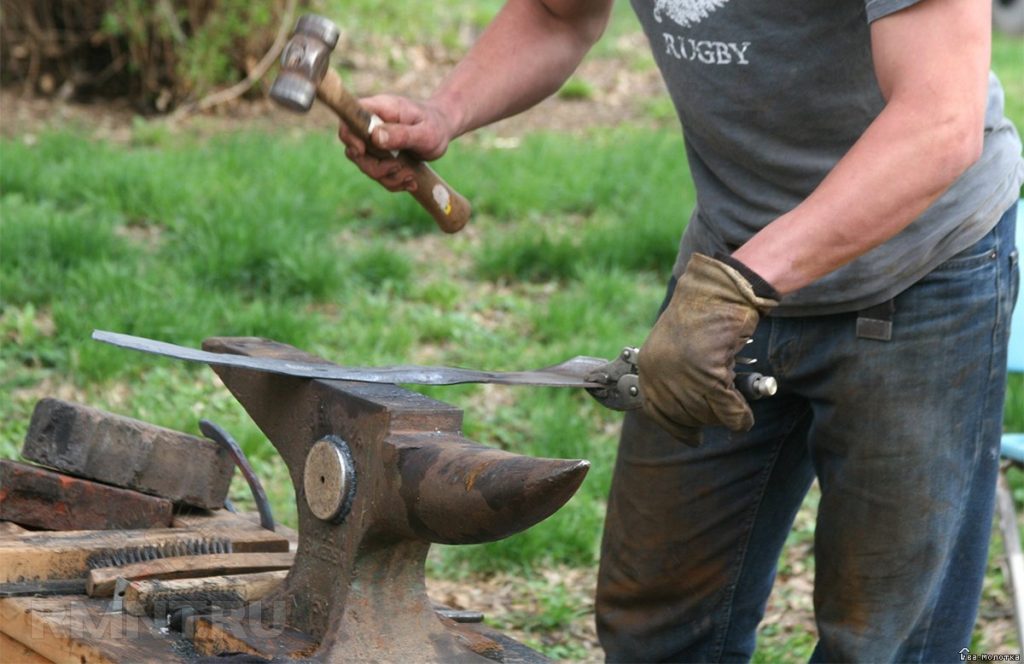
point(329, 479)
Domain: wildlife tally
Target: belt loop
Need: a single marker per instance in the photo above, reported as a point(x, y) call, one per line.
point(876, 322)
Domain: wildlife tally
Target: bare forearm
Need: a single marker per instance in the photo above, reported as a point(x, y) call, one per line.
point(892, 174)
point(525, 55)
point(929, 132)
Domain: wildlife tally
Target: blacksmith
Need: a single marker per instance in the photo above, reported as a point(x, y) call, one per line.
point(856, 184)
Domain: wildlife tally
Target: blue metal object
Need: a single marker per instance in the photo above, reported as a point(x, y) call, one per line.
point(1013, 443)
point(1016, 356)
point(1012, 449)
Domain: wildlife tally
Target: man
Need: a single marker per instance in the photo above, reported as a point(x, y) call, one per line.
point(855, 183)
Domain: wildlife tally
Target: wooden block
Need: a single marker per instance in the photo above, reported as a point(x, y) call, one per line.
point(7, 528)
point(65, 629)
point(15, 652)
point(128, 453)
point(34, 496)
point(149, 598)
point(71, 554)
point(101, 581)
point(479, 643)
point(233, 631)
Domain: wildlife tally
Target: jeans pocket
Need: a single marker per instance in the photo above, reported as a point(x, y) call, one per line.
point(973, 257)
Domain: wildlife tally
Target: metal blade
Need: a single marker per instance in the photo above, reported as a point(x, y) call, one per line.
point(570, 373)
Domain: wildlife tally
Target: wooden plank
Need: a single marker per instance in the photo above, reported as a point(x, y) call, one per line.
point(149, 598)
point(34, 496)
point(15, 652)
point(65, 629)
point(224, 518)
point(71, 554)
point(101, 581)
point(128, 453)
point(213, 519)
point(39, 588)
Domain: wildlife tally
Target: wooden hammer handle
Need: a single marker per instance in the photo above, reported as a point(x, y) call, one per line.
point(449, 208)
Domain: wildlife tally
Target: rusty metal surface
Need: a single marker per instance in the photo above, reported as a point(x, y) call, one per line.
point(357, 585)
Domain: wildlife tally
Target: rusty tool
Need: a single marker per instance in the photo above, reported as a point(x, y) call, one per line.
point(306, 74)
point(217, 434)
point(618, 385)
point(614, 384)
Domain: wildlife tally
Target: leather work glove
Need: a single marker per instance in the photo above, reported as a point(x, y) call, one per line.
point(686, 366)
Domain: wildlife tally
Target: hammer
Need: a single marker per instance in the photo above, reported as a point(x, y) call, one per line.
point(305, 74)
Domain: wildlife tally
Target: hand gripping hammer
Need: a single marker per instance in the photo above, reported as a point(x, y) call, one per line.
point(305, 75)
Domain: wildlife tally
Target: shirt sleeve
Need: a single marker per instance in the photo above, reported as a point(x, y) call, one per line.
point(877, 9)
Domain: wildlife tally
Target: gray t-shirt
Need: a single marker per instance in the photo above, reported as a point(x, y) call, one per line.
point(771, 94)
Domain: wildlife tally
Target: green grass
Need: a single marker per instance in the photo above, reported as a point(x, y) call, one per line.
point(1008, 63)
point(368, 24)
point(180, 239)
point(576, 88)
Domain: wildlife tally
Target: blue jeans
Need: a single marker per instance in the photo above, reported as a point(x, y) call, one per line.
point(903, 437)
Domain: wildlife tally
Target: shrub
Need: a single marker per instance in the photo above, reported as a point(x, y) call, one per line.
point(155, 52)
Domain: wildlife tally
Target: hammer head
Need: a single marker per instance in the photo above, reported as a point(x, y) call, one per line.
point(304, 62)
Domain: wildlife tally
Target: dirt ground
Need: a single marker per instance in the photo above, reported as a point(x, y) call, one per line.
point(616, 94)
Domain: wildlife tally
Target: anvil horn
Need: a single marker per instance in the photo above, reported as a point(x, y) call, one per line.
point(457, 492)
